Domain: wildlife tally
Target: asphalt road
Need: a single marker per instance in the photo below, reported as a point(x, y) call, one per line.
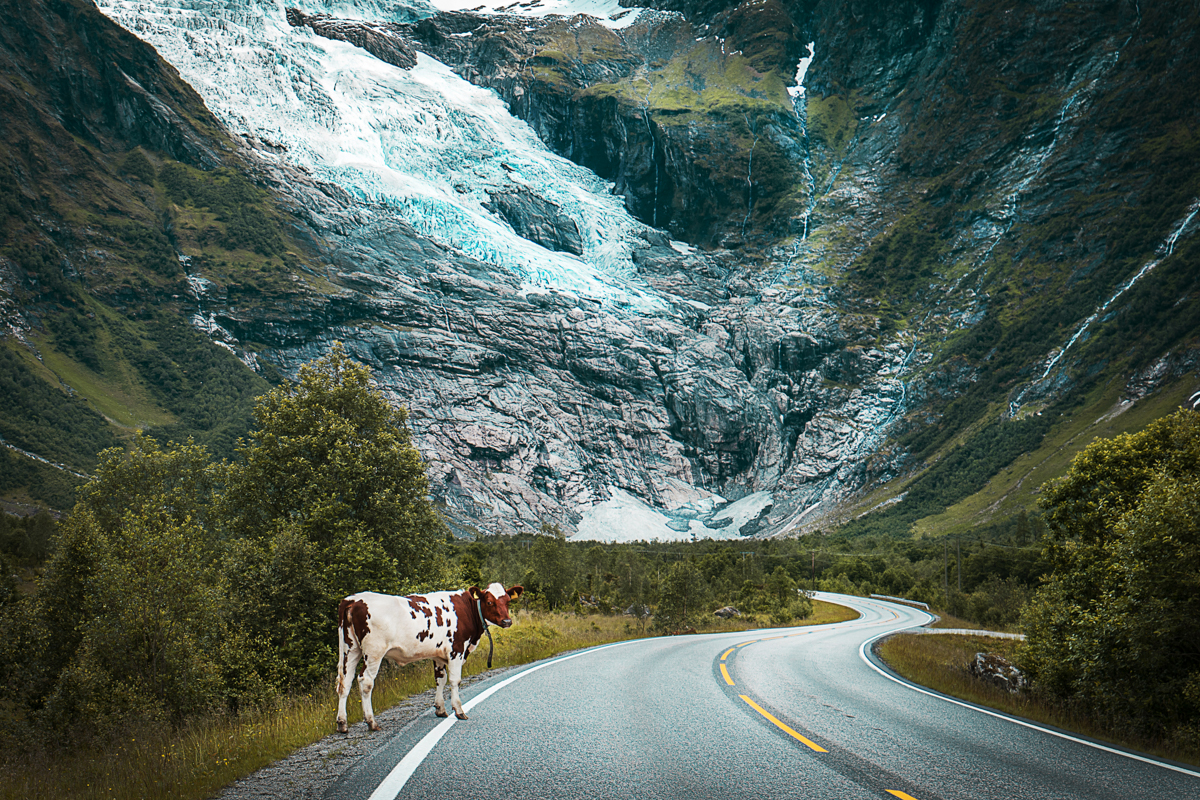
point(794, 713)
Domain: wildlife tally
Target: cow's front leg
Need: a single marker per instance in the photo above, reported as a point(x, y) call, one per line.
point(439, 701)
point(455, 668)
point(366, 683)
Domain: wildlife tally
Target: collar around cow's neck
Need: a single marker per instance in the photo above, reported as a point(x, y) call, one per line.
point(483, 619)
point(479, 610)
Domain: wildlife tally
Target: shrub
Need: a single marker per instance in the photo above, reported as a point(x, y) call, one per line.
point(1114, 627)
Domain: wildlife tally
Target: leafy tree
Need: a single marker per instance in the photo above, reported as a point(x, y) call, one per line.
point(469, 571)
point(787, 604)
point(551, 564)
point(682, 596)
point(781, 586)
point(330, 497)
point(126, 617)
point(1114, 627)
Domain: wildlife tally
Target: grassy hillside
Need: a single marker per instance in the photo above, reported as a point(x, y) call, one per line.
point(107, 201)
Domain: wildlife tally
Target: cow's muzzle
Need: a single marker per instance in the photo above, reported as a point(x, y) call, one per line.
point(506, 623)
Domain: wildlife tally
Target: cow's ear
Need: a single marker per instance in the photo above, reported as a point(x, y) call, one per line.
point(475, 593)
point(514, 592)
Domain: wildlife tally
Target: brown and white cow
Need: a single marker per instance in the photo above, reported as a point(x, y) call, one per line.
point(444, 626)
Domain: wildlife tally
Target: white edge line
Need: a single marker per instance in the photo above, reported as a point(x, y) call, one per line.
point(390, 787)
point(862, 652)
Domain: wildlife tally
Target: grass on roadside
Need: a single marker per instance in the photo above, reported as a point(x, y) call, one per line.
point(197, 759)
point(946, 620)
point(941, 663)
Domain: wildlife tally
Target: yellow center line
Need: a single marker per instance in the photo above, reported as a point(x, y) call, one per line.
point(784, 727)
point(900, 794)
point(725, 655)
point(752, 641)
point(725, 674)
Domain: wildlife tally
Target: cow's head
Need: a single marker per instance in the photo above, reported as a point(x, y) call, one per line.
point(493, 602)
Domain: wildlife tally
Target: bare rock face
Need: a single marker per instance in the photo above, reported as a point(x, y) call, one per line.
point(537, 219)
point(378, 39)
point(529, 405)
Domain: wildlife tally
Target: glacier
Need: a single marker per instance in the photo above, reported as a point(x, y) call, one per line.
point(423, 143)
point(619, 417)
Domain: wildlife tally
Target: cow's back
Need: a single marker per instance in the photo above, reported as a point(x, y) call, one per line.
point(403, 628)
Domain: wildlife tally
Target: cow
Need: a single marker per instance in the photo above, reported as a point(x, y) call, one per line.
point(444, 626)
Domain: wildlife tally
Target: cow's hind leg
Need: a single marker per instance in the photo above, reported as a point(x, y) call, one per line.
point(455, 668)
point(366, 683)
point(439, 700)
point(347, 665)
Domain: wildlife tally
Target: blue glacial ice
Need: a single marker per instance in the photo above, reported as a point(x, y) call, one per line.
point(423, 143)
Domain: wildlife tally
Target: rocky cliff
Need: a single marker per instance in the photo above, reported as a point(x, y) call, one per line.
point(967, 226)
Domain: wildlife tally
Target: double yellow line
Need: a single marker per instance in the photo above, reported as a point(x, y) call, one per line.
point(771, 717)
point(775, 720)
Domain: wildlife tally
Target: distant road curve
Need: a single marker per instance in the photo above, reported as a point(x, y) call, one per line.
point(795, 713)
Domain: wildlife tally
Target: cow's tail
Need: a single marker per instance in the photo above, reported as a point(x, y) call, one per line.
point(347, 641)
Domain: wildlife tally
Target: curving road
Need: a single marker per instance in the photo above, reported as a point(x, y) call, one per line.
point(796, 713)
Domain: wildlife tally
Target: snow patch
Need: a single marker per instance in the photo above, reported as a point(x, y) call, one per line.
point(797, 91)
point(608, 13)
point(626, 518)
point(744, 510)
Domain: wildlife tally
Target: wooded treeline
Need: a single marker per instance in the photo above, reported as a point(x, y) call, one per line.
point(182, 585)
point(988, 575)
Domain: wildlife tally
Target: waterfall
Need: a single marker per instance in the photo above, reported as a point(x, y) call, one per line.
point(1014, 199)
point(653, 147)
point(1164, 250)
point(800, 106)
point(749, 176)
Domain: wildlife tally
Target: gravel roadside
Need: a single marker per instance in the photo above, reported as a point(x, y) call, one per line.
point(310, 772)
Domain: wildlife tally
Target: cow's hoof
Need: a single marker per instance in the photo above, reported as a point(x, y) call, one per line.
point(460, 715)
point(441, 712)
point(375, 726)
point(342, 727)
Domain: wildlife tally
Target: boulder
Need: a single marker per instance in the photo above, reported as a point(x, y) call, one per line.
point(727, 612)
point(998, 671)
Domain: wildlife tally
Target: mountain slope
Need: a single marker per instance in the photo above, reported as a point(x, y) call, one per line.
point(96, 343)
point(968, 227)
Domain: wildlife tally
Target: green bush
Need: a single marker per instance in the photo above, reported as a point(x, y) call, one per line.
point(136, 164)
point(1114, 627)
